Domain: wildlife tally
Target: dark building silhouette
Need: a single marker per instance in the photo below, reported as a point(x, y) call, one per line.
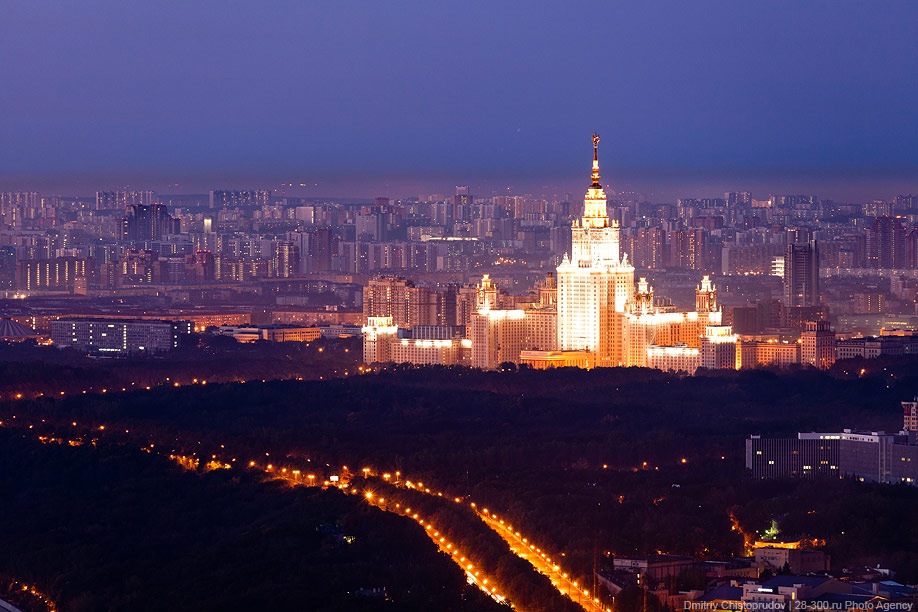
point(801, 274)
point(872, 456)
point(886, 243)
point(142, 222)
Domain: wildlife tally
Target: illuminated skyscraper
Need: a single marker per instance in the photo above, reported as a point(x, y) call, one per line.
point(595, 283)
point(591, 316)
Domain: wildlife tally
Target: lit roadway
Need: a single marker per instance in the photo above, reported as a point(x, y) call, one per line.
point(523, 547)
point(519, 544)
point(542, 562)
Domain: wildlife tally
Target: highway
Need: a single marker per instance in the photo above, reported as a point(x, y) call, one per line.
point(522, 545)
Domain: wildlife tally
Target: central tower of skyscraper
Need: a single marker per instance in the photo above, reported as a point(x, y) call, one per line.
point(595, 283)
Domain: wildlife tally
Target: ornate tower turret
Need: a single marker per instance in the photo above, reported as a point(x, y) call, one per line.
point(643, 297)
point(706, 296)
point(487, 294)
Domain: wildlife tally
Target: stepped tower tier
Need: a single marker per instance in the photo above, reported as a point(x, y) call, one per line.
point(595, 282)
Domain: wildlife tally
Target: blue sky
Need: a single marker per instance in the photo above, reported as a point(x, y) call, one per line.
point(360, 97)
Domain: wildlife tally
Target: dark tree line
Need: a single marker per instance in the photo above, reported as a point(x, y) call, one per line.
point(587, 461)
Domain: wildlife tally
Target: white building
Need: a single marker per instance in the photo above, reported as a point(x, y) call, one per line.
point(678, 358)
point(591, 316)
point(595, 282)
point(501, 335)
point(378, 335)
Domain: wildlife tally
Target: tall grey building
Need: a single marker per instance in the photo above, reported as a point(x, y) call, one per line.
point(801, 274)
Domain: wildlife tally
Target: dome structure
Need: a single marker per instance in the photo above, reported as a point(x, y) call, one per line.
point(11, 330)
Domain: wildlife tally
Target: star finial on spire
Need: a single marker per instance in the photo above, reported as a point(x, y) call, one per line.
point(596, 184)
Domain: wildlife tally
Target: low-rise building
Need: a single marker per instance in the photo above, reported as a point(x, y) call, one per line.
point(756, 353)
point(270, 333)
point(868, 456)
point(119, 336)
point(777, 558)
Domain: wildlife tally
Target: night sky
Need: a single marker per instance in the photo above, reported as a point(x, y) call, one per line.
point(361, 98)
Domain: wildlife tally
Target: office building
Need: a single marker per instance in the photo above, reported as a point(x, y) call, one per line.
point(801, 274)
point(867, 456)
point(118, 336)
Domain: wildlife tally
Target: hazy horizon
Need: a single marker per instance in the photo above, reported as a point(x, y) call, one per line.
point(690, 99)
point(853, 189)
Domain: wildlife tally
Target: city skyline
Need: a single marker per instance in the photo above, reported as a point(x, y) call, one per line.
point(365, 100)
point(316, 306)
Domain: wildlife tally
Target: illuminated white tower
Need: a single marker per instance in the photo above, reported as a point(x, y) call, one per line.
point(595, 283)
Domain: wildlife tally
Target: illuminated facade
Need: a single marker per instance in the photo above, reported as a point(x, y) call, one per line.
point(501, 335)
point(718, 348)
point(685, 336)
point(755, 353)
point(382, 343)
point(378, 335)
point(546, 360)
point(679, 358)
point(817, 345)
point(595, 283)
point(591, 315)
point(429, 352)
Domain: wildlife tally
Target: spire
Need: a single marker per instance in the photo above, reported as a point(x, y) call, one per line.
point(596, 184)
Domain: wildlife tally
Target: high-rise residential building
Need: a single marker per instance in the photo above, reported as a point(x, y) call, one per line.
point(801, 275)
point(738, 198)
point(906, 204)
point(322, 248)
point(686, 248)
point(911, 249)
point(886, 243)
point(7, 268)
point(58, 274)
point(115, 200)
point(288, 259)
point(16, 206)
point(462, 203)
point(239, 198)
point(147, 222)
point(647, 247)
point(399, 298)
point(595, 282)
